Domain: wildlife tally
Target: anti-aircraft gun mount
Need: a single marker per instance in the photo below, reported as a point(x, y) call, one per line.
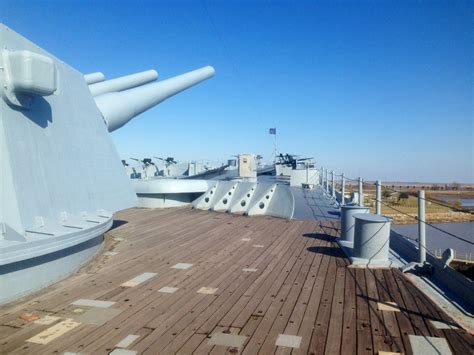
point(148, 169)
point(53, 216)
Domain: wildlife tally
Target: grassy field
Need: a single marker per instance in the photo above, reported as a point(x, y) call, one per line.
point(403, 207)
point(409, 205)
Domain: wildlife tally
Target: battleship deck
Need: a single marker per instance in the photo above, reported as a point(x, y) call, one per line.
point(188, 281)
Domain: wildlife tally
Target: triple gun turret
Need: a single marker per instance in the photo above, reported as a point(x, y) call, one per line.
point(121, 99)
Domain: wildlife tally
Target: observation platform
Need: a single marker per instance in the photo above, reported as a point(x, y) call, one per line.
point(195, 282)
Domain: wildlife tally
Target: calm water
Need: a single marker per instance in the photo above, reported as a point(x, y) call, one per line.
point(439, 241)
point(465, 202)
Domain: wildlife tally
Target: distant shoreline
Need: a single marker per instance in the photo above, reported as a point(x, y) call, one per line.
point(444, 217)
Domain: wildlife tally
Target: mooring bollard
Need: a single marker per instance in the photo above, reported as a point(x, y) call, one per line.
point(360, 192)
point(421, 227)
point(371, 239)
point(347, 221)
point(343, 188)
point(378, 197)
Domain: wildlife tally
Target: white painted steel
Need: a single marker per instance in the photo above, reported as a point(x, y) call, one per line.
point(248, 198)
point(360, 191)
point(282, 203)
point(421, 227)
point(371, 239)
point(93, 78)
point(224, 202)
point(120, 107)
point(378, 197)
point(305, 175)
point(123, 83)
point(204, 202)
point(242, 198)
point(261, 199)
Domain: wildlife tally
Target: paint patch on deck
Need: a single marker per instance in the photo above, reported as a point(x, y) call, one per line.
point(207, 290)
point(182, 266)
point(127, 341)
point(388, 307)
point(123, 352)
point(288, 341)
point(443, 325)
point(47, 320)
point(97, 316)
point(93, 303)
point(137, 280)
point(422, 345)
point(249, 270)
point(54, 332)
point(168, 289)
point(234, 341)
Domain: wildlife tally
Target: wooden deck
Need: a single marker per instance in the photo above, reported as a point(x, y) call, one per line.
point(252, 280)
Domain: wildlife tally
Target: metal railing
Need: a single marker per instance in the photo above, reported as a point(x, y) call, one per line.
point(330, 187)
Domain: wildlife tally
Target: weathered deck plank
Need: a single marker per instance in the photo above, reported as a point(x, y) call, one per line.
point(271, 277)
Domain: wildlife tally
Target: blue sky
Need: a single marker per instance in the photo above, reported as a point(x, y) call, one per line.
point(378, 89)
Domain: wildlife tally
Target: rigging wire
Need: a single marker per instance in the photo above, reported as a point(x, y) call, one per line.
point(426, 223)
point(414, 217)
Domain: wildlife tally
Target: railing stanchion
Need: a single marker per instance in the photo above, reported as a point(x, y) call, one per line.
point(421, 227)
point(360, 192)
point(324, 178)
point(343, 188)
point(378, 197)
point(327, 181)
point(333, 188)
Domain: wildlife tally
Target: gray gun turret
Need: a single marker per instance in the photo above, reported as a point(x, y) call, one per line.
point(118, 108)
point(52, 221)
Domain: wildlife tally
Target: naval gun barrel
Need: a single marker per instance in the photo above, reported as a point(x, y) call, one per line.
point(93, 78)
point(123, 83)
point(118, 108)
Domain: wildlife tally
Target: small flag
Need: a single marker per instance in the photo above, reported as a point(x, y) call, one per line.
point(273, 131)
